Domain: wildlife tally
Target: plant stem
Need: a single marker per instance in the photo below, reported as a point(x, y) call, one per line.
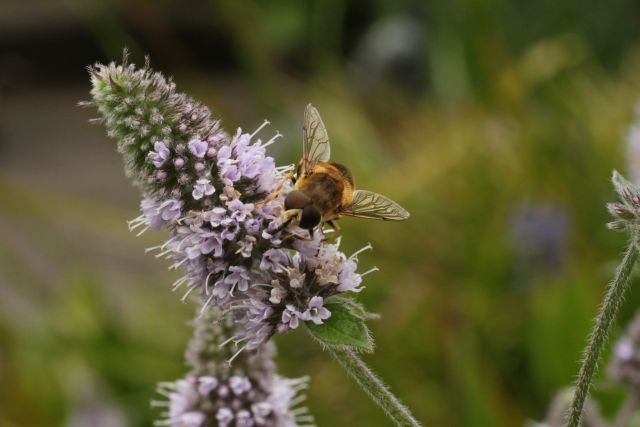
point(615, 294)
point(628, 408)
point(374, 387)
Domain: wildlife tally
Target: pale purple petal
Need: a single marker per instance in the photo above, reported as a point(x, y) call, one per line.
point(224, 417)
point(198, 148)
point(202, 188)
point(160, 154)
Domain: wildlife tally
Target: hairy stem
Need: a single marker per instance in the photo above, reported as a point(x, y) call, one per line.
point(374, 387)
point(615, 294)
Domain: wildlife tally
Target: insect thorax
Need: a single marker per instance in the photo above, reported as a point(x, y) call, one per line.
point(344, 172)
point(324, 187)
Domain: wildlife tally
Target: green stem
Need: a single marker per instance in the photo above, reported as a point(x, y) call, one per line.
point(374, 387)
point(615, 294)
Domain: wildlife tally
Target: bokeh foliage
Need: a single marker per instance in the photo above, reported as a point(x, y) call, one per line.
point(500, 144)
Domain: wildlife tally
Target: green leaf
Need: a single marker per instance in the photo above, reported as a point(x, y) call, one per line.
point(343, 328)
point(354, 307)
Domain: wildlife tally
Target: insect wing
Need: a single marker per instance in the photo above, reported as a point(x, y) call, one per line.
point(367, 204)
point(315, 140)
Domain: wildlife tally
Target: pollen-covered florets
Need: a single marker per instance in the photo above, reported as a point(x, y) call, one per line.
point(213, 393)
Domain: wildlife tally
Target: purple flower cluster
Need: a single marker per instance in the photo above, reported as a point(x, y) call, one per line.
point(213, 194)
point(268, 284)
point(247, 394)
point(216, 230)
point(215, 247)
point(288, 288)
point(194, 172)
point(226, 235)
point(196, 401)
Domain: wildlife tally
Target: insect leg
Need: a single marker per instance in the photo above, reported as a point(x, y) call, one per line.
point(335, 230)
point(278, 191)
point(289, 217)
point(293, 237)
point(292, 214)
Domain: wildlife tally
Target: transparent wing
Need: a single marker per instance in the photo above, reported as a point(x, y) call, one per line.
point(315, 140)
point(367, 204)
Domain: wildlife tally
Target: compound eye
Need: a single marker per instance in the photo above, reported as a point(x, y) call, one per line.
point(310, 217)
point(296, 199)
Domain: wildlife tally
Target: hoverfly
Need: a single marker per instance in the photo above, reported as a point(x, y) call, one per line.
point(324, 191)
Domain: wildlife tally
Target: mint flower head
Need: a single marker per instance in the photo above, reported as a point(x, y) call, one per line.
point(220, 198)
point(212, 192)
point(247, 394)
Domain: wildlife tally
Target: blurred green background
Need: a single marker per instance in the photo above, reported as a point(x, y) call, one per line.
point(496, 123)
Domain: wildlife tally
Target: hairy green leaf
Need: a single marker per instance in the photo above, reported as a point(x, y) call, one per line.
point(343, 328)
